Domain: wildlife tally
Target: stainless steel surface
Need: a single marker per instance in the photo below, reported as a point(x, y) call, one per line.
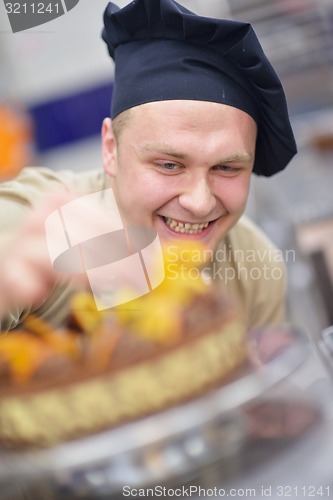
point(302, 468)
point(325, 346)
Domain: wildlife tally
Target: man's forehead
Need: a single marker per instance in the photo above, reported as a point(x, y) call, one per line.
point(179, 108)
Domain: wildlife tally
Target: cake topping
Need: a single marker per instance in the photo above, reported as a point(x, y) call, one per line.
point(24, 351)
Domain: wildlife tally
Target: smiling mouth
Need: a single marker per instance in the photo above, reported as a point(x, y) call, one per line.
point(185, 227)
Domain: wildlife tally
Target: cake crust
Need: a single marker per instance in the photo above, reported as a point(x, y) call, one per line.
point(54, 415)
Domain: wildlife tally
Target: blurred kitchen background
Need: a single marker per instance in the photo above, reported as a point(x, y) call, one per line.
point(55, 89)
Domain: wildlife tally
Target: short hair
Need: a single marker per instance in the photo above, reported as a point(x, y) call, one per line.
point(119, 122)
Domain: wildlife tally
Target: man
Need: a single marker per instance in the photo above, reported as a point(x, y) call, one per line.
point(196, 108)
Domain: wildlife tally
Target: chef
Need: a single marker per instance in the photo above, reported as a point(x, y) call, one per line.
point(197, 110)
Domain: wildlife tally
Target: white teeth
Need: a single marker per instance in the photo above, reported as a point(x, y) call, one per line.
point(185, 227)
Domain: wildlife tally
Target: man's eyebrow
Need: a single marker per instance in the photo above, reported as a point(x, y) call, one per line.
point(167, 150)
point(157, 147)
point(241, 157)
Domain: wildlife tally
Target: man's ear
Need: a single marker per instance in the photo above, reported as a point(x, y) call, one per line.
point(109, 148)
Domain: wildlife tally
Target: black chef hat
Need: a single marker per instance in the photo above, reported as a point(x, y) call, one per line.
point(163, 51)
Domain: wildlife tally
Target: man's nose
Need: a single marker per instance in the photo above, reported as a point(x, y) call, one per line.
point(198, 198)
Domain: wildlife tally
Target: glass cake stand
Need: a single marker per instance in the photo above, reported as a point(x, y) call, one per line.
point(167, 447)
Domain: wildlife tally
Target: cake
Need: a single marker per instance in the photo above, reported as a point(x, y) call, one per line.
point(107, 368)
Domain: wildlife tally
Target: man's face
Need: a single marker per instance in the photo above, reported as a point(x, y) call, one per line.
point(182, 167)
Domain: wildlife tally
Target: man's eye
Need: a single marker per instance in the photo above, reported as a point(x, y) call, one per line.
point(227, 168)
point(169, 166)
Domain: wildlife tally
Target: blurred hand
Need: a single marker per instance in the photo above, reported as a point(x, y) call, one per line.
point(26, 272)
